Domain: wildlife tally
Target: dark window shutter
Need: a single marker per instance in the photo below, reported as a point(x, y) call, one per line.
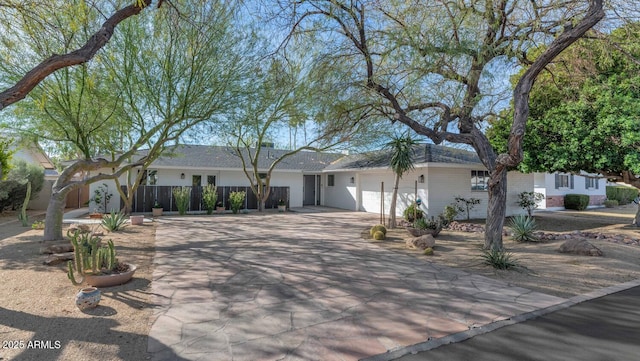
point(597, 183)
point(557, 180)
point(571, 181)
point(586, 182)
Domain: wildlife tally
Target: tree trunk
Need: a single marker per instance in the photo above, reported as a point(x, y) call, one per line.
point(392, 207)
point(496, 210)
point(55, 212)
point(636, 219)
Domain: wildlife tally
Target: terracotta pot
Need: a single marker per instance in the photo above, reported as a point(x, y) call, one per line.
point(113, 279)
point(87, 298)
point(282, 208)
point(96, 215)
point(156, 212)
point(136, 220)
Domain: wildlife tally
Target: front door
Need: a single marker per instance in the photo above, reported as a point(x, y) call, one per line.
point(309, 198)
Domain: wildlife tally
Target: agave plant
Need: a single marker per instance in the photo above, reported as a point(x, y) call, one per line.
point(114, 221)
point(523, 228)
point(499, 259)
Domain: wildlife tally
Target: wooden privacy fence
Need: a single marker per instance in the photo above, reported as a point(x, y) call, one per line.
point(146, 196)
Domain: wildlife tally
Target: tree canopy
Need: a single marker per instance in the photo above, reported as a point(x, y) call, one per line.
point(585, 110)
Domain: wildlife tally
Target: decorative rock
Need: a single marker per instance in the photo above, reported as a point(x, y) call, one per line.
point(87, 298)
point(580, 247)
point(422, 242)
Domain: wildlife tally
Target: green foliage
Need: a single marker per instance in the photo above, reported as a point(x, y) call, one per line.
point(424, 223)
point(210, 197)
point(236, 200)
point(579, 202)
point(624, 195)
point(428, 251)
point(412, 213)
point(450, 213)
point(182, 195)
point(378, 227)
point(13, 190)
point(611, 203)
point(529, 201)
point(379, 235)
point(585, 111)
point(523, 228)
point(5, 157)
point(499, 259)
point(466, 205)
point(114, 221)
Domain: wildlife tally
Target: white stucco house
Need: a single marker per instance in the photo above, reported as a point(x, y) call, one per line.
point(364, 182)
point(360, 182)
point(554, 186)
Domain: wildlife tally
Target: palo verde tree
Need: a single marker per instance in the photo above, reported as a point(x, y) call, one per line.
point(585, 111)
point(142, 92)
point(402, 152)
point(429, 65)
point(280, 95)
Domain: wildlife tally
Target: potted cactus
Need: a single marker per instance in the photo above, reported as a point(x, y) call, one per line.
point(96, 264)
point(282, 205)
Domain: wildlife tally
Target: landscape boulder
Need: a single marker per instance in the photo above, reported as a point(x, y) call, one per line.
point(580, 247)
point(422, 242)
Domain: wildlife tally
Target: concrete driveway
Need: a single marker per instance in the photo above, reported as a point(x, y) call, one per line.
point(305, 286)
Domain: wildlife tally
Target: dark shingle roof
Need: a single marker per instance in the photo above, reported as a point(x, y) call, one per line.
point(201, 156)
point(422, 153)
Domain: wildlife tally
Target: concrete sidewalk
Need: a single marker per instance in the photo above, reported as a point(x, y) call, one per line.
point(305, 286)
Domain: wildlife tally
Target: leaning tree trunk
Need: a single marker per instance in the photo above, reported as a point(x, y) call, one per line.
point(55, 212)
point(636, 219)
point(392, 207)
point(496, 210)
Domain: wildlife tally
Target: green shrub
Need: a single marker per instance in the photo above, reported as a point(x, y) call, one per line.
point(499, 259)
point(523, 228)
point(624, 195)
point(424, 223)
point(210, 197)
point(236, 199)
point(182, 196)
point(378, 235)
point(13, 189)
point(114, 221)
point(412, 213)
point(428, 251)
point(450, 213)
point(378, 227)
point(529, 201)
point(611, 203)
point(578, 202)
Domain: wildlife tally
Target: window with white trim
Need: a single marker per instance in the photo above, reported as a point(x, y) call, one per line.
point(479, 180)
point(563, 181)
point(331, 180)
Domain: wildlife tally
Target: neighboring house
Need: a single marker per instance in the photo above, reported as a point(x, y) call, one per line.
point(555, 186)
point(361, 182)
point(364, 182)
point(32, 153)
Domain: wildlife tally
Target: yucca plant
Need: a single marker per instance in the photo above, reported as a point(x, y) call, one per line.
point(114, 221)
point(523, 228)
point(499, 259)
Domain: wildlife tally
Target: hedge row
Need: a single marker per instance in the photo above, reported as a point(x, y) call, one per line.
point(624, 195)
